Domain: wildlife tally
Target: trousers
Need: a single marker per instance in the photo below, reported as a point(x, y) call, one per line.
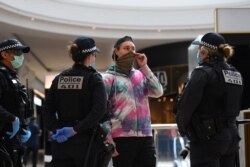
point(72, 153)
point(135, 152)
point(220, 151)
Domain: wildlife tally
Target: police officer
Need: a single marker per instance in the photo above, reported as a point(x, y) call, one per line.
point(75, 104)
point(210, 104)
point(13, 101)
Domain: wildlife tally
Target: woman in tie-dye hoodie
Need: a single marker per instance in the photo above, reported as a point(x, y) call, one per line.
point(128, 89)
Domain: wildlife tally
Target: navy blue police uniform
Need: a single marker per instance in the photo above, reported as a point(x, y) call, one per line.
point(207, 114)
point(13, 103)
point(77, 99)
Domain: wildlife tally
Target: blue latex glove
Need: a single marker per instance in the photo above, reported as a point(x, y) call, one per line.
point(59, 138)
point(55, 136)
point(15, 127)
point(66, 131)
point(63, 134)
point(24, 137)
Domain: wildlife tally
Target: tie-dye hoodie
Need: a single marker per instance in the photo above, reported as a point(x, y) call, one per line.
point(129, 99)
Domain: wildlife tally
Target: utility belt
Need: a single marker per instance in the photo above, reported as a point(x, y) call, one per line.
point(222, 123)
point(205, 129)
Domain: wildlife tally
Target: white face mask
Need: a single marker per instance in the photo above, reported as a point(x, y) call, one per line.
point(18, 61)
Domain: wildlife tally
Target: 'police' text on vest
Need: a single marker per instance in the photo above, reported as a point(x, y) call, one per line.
point(70, 82)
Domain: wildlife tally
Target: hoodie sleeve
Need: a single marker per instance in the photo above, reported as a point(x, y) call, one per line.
point(154, 86)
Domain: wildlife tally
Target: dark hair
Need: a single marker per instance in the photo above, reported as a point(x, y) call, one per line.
point(76, 54)
point(118, 44)
point(121, 40)
point(114, 56)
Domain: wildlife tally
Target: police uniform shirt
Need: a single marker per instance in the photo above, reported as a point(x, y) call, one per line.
point(208, 92)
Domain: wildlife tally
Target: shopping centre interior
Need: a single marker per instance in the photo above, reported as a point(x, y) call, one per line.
point(162, 29)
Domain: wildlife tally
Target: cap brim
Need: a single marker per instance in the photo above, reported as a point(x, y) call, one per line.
point(196, 42)
point(24, 49)
point(97, 50)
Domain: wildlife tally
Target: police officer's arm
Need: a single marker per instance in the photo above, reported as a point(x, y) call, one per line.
point(50, 116)
point(99, 105)
point(153, 85)
point(190, 99)
point(5, 116)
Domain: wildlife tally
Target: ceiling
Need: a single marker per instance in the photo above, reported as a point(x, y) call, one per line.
point(48, 26)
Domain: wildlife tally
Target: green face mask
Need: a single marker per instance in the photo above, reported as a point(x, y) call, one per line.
point(198, 58)
point(18, 61)
point(126, 62)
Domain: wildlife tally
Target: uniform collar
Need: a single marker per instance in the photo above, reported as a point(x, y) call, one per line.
point(12, 72)
point(81, 66)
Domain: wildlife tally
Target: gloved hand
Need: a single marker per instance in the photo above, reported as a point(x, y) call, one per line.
point(25, 135)
point(59, 138)
point(185, 151)
point(67, 131)
point(63, 134)
point(15, 127)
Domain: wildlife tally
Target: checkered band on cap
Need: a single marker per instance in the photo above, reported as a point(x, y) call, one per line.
point(208, 45)
point(11, 46)
point(89, 50)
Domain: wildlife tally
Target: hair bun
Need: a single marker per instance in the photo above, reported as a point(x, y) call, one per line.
point(74, 49)
point(227, 50)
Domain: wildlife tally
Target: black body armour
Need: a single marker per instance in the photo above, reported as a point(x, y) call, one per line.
point(15, 99)
point(223, 89)
point(73, 95)
point(219, 105)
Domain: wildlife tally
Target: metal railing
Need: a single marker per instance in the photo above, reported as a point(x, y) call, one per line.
point(168, 145)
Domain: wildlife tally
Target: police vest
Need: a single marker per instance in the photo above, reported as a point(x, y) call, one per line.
point(73, 96)
point(222, 92)
point(15, 98)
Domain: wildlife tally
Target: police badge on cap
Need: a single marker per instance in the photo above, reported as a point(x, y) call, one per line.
point(211, 40)
point(86, 45)
point(13, 44)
